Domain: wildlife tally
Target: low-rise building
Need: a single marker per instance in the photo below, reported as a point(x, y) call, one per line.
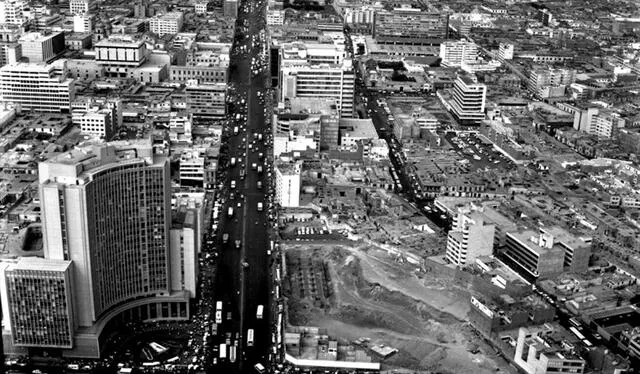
point(537, 352)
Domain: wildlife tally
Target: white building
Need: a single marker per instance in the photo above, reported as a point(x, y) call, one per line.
point(288, 184)
point(12, 12)
point(42, 47)
point(119, 54)
point(455, 53)
point(79, 6)
point(469, 100)
point(100, 117)
point(169, 23)
point(596, 121)
point(536, 353)
point(505, 52)
point(36, 86)
point(83, 22)
point(471, 237)
point(192, 168)
point(275, 17)
point(201, 7)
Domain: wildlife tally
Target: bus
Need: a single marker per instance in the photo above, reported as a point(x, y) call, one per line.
point(250, 338)
point(232, 353)
point(223, 350)
point(577, 333)
point(574, 322)
point(259, 312)
point(587, 343)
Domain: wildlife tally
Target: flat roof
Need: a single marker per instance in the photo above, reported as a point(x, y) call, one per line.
point(41, 264)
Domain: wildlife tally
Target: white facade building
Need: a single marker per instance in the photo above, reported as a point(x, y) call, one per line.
point(12, 12)
point(288, 184)
point(169, 23)
point(468, 101)
point(36, 86)
point(455, 53)
point(79, 6)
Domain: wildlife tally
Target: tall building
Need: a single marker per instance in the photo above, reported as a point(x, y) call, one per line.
point(538, 352)
point(37, 87)
point(468, 101)
point(543, 78)
point(79, 6)
point(119, 54)
point(42, 47)
point(505, 52)
point(230, 8)
point(329, 131)
point(455, 53)
point(470, 237)
point(323, 81)
point(410, 26)
point(107, 209)
point(101, 117)
point(597, 121)
point(83, 23)
point(168, 23)
point(37, 304)
point(288, 184)
point(12, 12)
point(533, 254)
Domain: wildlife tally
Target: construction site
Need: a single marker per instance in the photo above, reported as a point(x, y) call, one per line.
point(375, 300)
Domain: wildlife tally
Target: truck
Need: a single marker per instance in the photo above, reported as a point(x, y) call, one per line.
point(259, 185)
point(233, 184)
point(260, 311)
point(233, 161)
point(230, 212)
point(223, 350)
point(238, 242)
point(259, 206)
point(254, 166)
point(259, 368)
point(232, 353)
point(235, 130)
point(242, 174)
point(225, 238)
point(260, 169)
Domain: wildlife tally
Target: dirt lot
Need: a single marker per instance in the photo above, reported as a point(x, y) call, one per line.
point(371, 294)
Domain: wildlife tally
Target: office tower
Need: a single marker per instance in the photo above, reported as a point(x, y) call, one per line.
point(12, 12)
point(505, 52)
point(168, 23)
point(468, 101)
point(37, 87)
point(471, 236)
point(455, 53)
point(230, 8)
point(410, 26)
point(42, 47)
point(533, 254)
point(119, 54)
point(598, 121)
point(79, 6)
point(37, 303)
point(83, 23)
point(288, 184)
point(107, 208)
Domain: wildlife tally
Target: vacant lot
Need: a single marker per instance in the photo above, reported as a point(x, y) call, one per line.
point(371, 294)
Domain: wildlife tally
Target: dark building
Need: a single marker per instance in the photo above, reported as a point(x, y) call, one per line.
point(410, 26)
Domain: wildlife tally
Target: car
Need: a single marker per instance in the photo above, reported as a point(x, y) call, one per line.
point(238, 243)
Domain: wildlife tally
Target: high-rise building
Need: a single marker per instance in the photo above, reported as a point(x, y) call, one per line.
point(83, 23)
point(79, 6)
point(168, 23)
point(455, 53)
point(543, 78)
point(505, 52)
point(410, 26)
point(533, 254)
point(107, 209)
point(37, 303)
point(468, 101)
point(37, 87)
point(288, 184)
point(596, 121)
point(39, 47)
point(119, 54)
point(12, 12)
point(230, 8)
point(470, 237)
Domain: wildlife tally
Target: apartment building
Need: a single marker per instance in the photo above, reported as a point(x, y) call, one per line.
point(598, 121)
point(168, 23)
point(37, 87)
point(230, 8)
point(37, 304)
point(99, 117)
point(457, 53)
point(288, 184)
point(12, 12)
point(470, 237)
point(79, 6)
point(468, 100)
point(549, 82)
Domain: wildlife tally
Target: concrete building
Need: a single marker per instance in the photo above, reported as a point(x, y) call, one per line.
point(206, 100)
point(192, 168)
point(12, 12)
point(597, 121)
point(468, 101)
point(37, 304)
point(410, 26)
point(471, 236)
point(107, 209)
point(42, 47)
point(185, 244)
point(456, 53)
point(119, 54)
point(533, 254)
point(100, 117)
point(354, 130)
point(329, 131)
point(313, 53)
point(168, 23)
point(83, 23)
point(37, 87)
point(543, 79)
point(230, 8)
point(202, 7)
point(537, 352)
point(275, 17)
point(79, 6)
point(505, 52)
point(322, 81)
point(10, 53)
point(200, 73)
point(288, 184)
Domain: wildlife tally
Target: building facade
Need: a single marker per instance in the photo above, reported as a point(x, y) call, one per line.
point(470, 237)
point(120, 54)
point(410, 26)
point(79, 6)
point(457, 53)
point(468, 101)
point(37, 87)
point(169, 23)
point(42, 47)
point(288, 184)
